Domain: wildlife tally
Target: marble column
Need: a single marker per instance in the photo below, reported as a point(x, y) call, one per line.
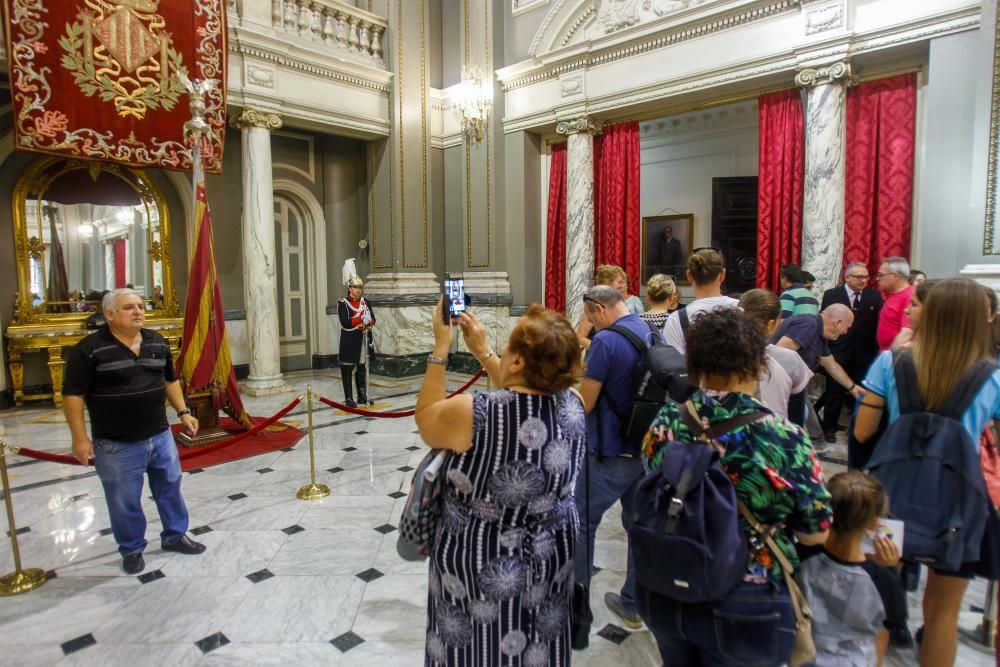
point(579, 211)
point(260, 278)
point(823, 210)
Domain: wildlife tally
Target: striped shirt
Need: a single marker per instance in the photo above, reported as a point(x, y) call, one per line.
point(125, 393)
point(797, 300)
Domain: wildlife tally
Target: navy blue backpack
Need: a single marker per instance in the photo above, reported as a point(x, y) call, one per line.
point(929, 466)
point(685, 533)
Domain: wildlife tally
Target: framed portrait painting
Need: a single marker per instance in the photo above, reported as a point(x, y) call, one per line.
point(666, 242)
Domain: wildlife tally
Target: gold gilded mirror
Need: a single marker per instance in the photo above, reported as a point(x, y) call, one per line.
point(81, 228)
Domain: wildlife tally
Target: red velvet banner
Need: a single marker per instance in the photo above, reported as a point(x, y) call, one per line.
point(617, 225)
point(97, 79)
point(555, 243)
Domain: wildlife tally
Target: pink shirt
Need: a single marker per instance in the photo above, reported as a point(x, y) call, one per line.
point(892, 319)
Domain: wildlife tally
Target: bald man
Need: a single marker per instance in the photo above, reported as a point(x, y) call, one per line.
point(809, 335)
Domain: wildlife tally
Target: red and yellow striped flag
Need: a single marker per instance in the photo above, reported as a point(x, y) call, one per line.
point(205, 357)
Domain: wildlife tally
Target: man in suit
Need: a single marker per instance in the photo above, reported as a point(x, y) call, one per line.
point(671, 254)
point(856, 349)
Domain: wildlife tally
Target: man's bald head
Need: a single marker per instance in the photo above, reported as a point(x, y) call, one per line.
point(837, 319)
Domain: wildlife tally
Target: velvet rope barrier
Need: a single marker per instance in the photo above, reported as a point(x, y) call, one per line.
point(394, 414)
point(186, 454)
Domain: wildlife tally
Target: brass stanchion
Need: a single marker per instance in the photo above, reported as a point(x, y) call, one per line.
point(20, 580)
point(312, 491)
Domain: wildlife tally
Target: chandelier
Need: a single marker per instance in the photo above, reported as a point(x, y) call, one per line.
point(472, 102)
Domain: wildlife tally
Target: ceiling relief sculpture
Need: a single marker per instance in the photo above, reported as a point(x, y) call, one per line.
point(615, 15)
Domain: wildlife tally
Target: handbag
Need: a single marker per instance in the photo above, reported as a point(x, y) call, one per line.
point(804, 649)
point(422, 511)
point(582, 615)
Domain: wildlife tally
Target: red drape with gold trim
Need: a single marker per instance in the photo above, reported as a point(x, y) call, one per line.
point(97, 79)
point(881, 133)
point(617, 228)
point(120, 260)
point(555, 232)
point(781, 169)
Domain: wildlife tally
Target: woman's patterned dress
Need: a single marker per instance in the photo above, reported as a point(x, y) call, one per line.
point(501, 567)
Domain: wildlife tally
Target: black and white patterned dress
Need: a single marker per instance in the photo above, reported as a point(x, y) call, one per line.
point(501, 567)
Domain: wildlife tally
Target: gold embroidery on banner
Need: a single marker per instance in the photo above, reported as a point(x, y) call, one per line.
point(118, 51)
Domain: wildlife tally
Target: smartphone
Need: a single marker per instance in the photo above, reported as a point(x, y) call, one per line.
point(455, 299)
point(891, 528)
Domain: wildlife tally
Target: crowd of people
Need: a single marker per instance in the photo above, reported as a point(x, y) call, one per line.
point(538, 462)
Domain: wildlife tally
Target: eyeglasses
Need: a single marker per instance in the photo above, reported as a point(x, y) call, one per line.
point(859, 277)
point(707, 247)
point(587, 299)
point(883, 275)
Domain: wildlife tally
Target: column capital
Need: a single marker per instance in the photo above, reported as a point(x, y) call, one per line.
point(256, 118)
point(839, 72)
point(581, 125)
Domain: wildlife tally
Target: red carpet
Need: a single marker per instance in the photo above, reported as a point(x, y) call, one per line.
point(271, 439)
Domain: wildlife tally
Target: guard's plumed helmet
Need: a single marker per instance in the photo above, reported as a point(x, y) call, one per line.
point(355, 282)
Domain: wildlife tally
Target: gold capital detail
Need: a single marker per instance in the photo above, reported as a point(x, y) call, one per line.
point(256, 118)
point(120, 52)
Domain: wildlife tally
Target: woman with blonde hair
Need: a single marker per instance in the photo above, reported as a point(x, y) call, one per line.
point(612, 276)
point(661, 291)
point(954, 338)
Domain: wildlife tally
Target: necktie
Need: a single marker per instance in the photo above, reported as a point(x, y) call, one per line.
point(857, 300)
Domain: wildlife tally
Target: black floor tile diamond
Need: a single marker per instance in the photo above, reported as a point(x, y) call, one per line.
point(369, 575)
point(397, 495)
point(291, 530)
point(105, 531)
point(385, 528)
point(405, 468)
point(613, 633)
point(287, 449)
point(597, 569)
point(50, 574)
point(346, 641)
point(260, 575)
point(79, 497)
point(212, 642)
point(21, 531)
point(361, 433)
point(237, 496)
point(413, 448)
point(150, 576)
point(264, 471)
point(335, 469)
point(74, 645)
point(349, 449)
point(195, 471)
point(201, 530)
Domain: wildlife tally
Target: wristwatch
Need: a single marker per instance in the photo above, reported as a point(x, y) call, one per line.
point(185, 411)
point(489, 355)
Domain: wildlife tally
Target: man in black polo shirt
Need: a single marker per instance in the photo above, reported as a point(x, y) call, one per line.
point(124, 374)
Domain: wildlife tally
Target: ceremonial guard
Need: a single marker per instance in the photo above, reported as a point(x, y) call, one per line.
point(356, 322)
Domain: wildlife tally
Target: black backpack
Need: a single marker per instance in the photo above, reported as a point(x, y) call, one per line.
point(929, 466)
point(684, 529)
point(660, 376)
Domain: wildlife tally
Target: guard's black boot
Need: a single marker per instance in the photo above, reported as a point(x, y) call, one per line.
point(360, 380)
point(345, 375)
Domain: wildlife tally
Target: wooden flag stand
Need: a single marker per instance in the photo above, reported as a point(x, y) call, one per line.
point(204, 405)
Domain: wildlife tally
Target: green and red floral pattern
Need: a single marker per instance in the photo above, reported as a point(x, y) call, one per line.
point(770, 461)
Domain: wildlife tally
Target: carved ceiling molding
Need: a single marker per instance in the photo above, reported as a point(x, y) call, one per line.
point(586, 13)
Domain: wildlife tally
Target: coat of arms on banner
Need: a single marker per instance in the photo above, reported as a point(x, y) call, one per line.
point(101, 79)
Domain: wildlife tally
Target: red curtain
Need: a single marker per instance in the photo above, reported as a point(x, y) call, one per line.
point(616, 200)
point(555, 243)
point(119, 263)
point(781, 170)
point(881, 127)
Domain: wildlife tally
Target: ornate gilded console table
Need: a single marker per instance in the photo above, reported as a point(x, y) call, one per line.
point(52, 342)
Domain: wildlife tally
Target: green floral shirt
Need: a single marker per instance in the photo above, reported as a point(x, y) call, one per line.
point(772, 465)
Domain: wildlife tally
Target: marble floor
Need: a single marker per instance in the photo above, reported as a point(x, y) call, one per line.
point(284, 581)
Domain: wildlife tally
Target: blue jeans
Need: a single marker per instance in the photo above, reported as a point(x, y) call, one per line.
point(611, 479)
point(121, 466)
point(754, 626)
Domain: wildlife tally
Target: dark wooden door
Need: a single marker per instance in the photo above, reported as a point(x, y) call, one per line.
point(734, 230)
